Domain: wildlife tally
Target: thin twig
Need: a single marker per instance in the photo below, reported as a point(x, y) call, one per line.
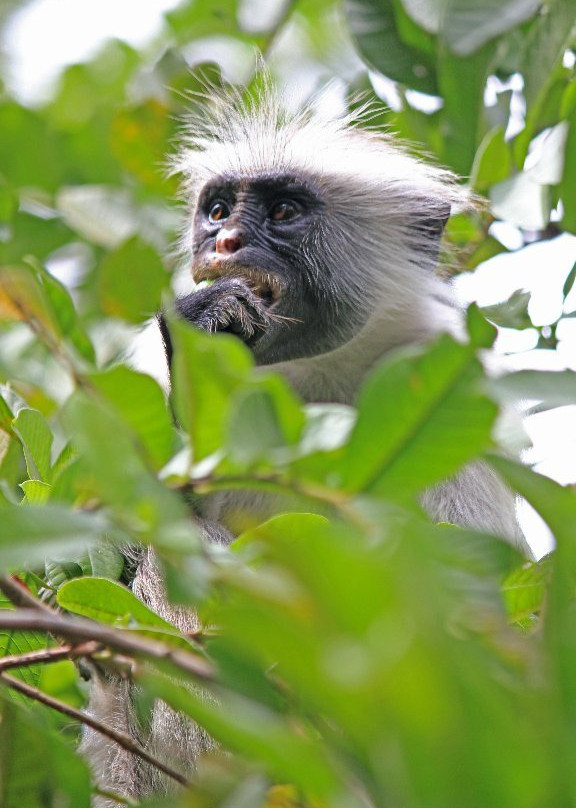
point(81, 630)
point(121, 738)
point(18, 593)
point(274, 482)
point(341, 501)
point(48, 655)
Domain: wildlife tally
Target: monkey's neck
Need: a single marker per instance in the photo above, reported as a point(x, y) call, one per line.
point(336, 376)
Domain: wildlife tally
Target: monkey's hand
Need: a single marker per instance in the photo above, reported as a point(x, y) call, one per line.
point(227, 305)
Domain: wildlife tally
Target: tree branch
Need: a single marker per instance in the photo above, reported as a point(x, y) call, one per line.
point(125, 741)
point(341, 501)
point(48, 655)
point(18, 593)
point(81, 630)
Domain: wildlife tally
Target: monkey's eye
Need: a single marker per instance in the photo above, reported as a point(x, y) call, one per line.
point(283, 211)
point(218, 211)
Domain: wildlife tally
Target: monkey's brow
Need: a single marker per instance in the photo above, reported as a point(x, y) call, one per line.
point(264, 183)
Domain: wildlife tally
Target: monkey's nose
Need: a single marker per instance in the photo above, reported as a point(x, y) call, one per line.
point(229, 241)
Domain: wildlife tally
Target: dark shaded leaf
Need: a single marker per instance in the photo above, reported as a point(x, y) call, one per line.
point(374, 26)
point(36, 438)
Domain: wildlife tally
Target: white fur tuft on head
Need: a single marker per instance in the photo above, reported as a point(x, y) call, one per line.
point(229, 134)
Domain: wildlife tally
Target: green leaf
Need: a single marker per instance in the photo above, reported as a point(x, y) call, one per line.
point(512, 313)
point(22, 161)
point(65, 315)
point(568, 105)
point(28, 534)
point(106, 560)
point(90, 89)
point(6, 415)
point(297, 526)
point(38, 767)
point(8, 202)
point(37, 493)
point(265, 417)
point(107, 601)
point(488, 248)
point(569, 282)
point(374, 26)
point(58, 572)
point(467, 25)
point(546, 42)
point(22, 298)
point(140, 402)
point(207, 370)
point(482, 333)
point(204, 18)
point(31, 293)
point(493, 161)
point(525, 589)
point(113, 470)
point(568, 182)
point(140, 139)
point(15, 643)
point(131, 281)
point(429, 416)
point(462, 82)
point(32, 235)
point(11, 465)
point(553, 388)
point(327, 429)
point(37, 439)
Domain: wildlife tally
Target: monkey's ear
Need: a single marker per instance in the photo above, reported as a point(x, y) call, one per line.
point(429, 228)
point(431, 224)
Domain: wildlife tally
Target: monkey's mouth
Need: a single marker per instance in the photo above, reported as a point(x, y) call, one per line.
point(264, 284)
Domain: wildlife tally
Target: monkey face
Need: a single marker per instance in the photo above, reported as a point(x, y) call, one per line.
point(254, 229)
point(257, 240)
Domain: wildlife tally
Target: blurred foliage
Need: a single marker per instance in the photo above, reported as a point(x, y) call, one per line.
point(365, 657)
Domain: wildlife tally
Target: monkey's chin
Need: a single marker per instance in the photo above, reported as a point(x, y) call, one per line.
point(265, 285)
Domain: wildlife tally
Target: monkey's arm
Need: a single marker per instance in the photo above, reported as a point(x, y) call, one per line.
point(477, 498)
point(228, 305)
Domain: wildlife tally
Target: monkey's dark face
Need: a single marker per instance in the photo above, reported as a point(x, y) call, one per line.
point(257, 226)
point(256, 232)
point(259, 242)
